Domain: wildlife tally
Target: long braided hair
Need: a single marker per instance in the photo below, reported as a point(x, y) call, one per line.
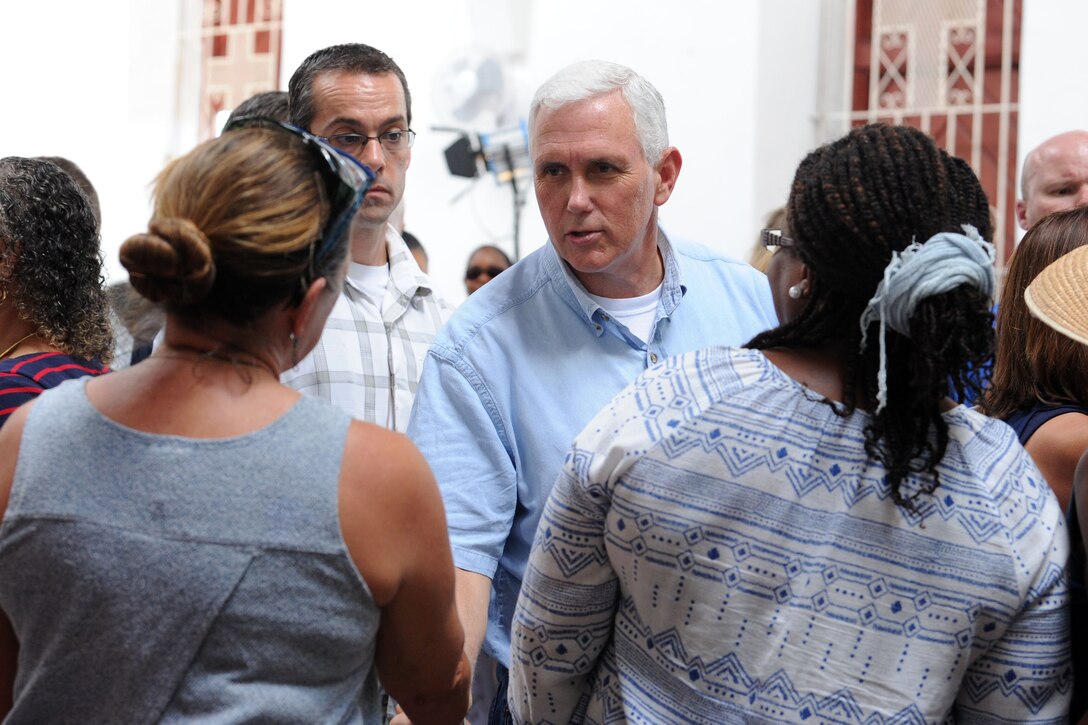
point(853, 203)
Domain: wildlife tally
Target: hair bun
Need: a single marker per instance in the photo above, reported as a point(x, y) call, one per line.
point(171, 263)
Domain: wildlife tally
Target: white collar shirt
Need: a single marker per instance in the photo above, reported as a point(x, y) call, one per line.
point(370, 355)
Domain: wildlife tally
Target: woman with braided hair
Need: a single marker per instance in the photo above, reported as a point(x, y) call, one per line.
point(810, 529)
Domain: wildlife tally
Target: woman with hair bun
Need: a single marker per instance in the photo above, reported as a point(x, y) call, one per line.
point(189, 539)
point(809, 529)
point(54, 316)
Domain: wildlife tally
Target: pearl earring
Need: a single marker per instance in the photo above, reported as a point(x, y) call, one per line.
point(797, 291)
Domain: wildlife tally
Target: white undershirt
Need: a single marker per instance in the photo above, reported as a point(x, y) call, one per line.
point(371, 280)
point(636, 313)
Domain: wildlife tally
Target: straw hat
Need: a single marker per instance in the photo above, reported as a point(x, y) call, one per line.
point(1059, 295)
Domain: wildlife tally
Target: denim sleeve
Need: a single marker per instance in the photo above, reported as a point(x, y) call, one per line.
point(457, 426)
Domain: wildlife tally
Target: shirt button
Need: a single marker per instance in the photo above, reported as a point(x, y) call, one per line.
point(653, 357)
point(599, 328)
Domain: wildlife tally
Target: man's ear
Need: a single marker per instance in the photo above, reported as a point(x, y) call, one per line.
point(668, 169)
point(1022, 214)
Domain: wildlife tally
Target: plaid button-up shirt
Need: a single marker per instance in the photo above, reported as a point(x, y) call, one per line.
point(370, 355)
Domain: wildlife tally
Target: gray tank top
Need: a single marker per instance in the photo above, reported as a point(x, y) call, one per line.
point(159, 578)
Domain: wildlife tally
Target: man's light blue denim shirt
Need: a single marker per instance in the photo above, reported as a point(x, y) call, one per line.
point(519, 370)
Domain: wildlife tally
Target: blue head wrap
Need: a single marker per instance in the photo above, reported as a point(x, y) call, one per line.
point(947, 260)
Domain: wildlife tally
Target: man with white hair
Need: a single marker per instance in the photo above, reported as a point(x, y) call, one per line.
point(1054, 177)
point(528, 360)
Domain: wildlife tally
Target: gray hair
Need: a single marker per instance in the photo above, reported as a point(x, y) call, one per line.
point(591, 78)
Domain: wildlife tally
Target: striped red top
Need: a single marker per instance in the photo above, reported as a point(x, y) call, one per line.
point(23, 378)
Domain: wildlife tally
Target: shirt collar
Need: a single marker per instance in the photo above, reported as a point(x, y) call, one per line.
point(405, 276)
point(404, 272)
point(575, 295)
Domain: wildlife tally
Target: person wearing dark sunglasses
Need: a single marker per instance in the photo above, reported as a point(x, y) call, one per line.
point(484, 264)
point(369, 358)
point(200, 541)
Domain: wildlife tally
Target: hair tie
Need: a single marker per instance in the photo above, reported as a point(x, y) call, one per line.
point(946, 261)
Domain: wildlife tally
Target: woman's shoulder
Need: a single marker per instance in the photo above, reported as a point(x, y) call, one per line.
point(45, 369)
point(1067, 426)
point(726, 365)
point(987, 468)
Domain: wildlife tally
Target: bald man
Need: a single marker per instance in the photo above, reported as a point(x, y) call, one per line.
point(1055, 177)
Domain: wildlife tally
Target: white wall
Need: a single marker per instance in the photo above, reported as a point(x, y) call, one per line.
point(103, 98)
point(784, 112)
point(1053, 54)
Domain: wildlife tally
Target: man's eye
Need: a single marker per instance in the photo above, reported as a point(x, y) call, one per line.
point(550, 171)
point(392, 136)
point(603, 168)
point(347, 139)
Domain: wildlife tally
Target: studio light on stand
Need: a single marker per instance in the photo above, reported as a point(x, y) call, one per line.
point(472, 92)
point(503, 153)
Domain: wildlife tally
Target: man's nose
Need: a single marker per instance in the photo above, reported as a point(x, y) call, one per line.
point(580, 199)
point(373, 155)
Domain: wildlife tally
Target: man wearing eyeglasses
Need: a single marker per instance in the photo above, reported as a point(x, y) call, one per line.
point(371, 351)
point(531, 357)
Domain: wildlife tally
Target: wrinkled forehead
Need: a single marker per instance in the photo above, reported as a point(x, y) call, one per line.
point(336, 90)
point(607, 115)
point(1063, 160)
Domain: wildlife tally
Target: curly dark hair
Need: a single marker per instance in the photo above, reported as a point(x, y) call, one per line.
point(50, 261)
point(853, 203)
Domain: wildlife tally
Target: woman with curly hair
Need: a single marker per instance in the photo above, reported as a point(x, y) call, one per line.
point(1039, 384)
point(809, 529)
point(54, 319)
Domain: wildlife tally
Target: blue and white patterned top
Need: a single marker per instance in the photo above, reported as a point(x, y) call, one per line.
point(719, 549)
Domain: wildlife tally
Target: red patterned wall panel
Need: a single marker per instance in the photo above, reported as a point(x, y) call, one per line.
point(950, 68)
point(241, 48)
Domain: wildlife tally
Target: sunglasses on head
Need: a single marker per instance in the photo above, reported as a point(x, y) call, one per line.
point(346, 181)
point(775, 239)
point(474, 272)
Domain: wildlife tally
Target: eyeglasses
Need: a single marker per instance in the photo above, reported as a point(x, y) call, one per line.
point(346, 181)
point(391, 141)
point(774, 239)
point(474, 272)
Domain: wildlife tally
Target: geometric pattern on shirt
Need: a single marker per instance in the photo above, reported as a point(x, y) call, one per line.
point(866, 599)
point(822, 576)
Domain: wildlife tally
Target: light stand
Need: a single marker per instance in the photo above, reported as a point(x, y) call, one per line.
point(505, 153)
